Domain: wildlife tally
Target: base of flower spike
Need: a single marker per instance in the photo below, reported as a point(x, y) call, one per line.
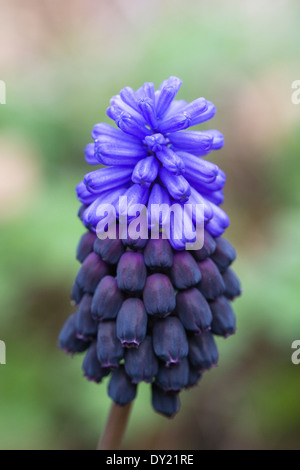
point(151, 315)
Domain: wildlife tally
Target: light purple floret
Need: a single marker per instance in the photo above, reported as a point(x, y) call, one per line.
point(151, 148)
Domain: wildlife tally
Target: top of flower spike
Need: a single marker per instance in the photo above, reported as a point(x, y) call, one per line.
point(151, 158)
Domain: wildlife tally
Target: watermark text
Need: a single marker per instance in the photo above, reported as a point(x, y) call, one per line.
point(181, 222)
point(2, 92)
point(296, 354)
point(2, 352)
point(296, 94)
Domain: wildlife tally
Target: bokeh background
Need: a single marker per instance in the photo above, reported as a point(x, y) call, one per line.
point(61, 62)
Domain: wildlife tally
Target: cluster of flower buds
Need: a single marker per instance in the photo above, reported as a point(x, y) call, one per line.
point(147, 312)
point(147, 308)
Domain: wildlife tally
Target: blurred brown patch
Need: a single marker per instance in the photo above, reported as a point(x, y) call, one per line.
point(261, 115)
point(20, 176)
point(45, 308)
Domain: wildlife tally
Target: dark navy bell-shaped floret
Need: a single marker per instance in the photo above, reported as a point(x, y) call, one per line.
point(165, 403)
point(68, 340)
point(134, 243)
point(92, 270)
point(158, 254)
point(169, 340)
point(131, 323)
point(211, 284)
point(193, 310)
point(232, 284)
point(224, 254)
point(91, 367)
point(76, 293)
point(131, 272)
point(109, 348)
point(194, 377)
point(224, 323)
point(141, 364)
point(203, 352)
point(174, 378)
point(159, 295)
point(110, 250)
point(86, 326)
point(209, 246)
point(107, 299)
point(85, 246)
point(184, 272)
point(120, 388)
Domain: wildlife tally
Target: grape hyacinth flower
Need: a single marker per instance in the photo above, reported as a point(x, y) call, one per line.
point(147, 308)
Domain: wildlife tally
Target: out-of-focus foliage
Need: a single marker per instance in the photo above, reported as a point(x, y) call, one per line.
point(62, 62)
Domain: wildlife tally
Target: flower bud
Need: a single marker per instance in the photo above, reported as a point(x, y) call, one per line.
point(211, 284)
point(81, 210)
point(109, 250)
point(177, 185)
point(208, 248)
point(109, 348)
point(90, 154)
point(158, 295)
point(203, 353)
point(194, 377)
point(91, 366)
point(145, 171)
point(193, 310)
point(84, 195)
point(158, 254)
point(170, 160)
point(107, 299)
point(174, 378)
point(224, 254)
point(85, 246)
point(86, 326)
point(169, 340)
point(184, 272)
point(167, 92)
point(192, 141)
point(120, 389)
point(220, 220)
point(132, 323)
point(165, 403)
point(92, 270)
point(232, 284)
point(76, 293)
point(107, 178)
point(68, 340)
point(118, 154)
point(223, 323)
point(134, 243)
point(131, 272)
point(141, 364)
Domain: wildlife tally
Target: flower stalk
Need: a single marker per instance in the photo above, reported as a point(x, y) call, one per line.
point(115, 429)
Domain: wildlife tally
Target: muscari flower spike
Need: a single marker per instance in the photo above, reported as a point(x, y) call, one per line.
point(148, 309)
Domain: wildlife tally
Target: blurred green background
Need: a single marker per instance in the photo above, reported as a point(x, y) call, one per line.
point(61, 62)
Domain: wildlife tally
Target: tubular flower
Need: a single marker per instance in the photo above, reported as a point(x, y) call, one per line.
point(150, 160)
point(147, 306)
